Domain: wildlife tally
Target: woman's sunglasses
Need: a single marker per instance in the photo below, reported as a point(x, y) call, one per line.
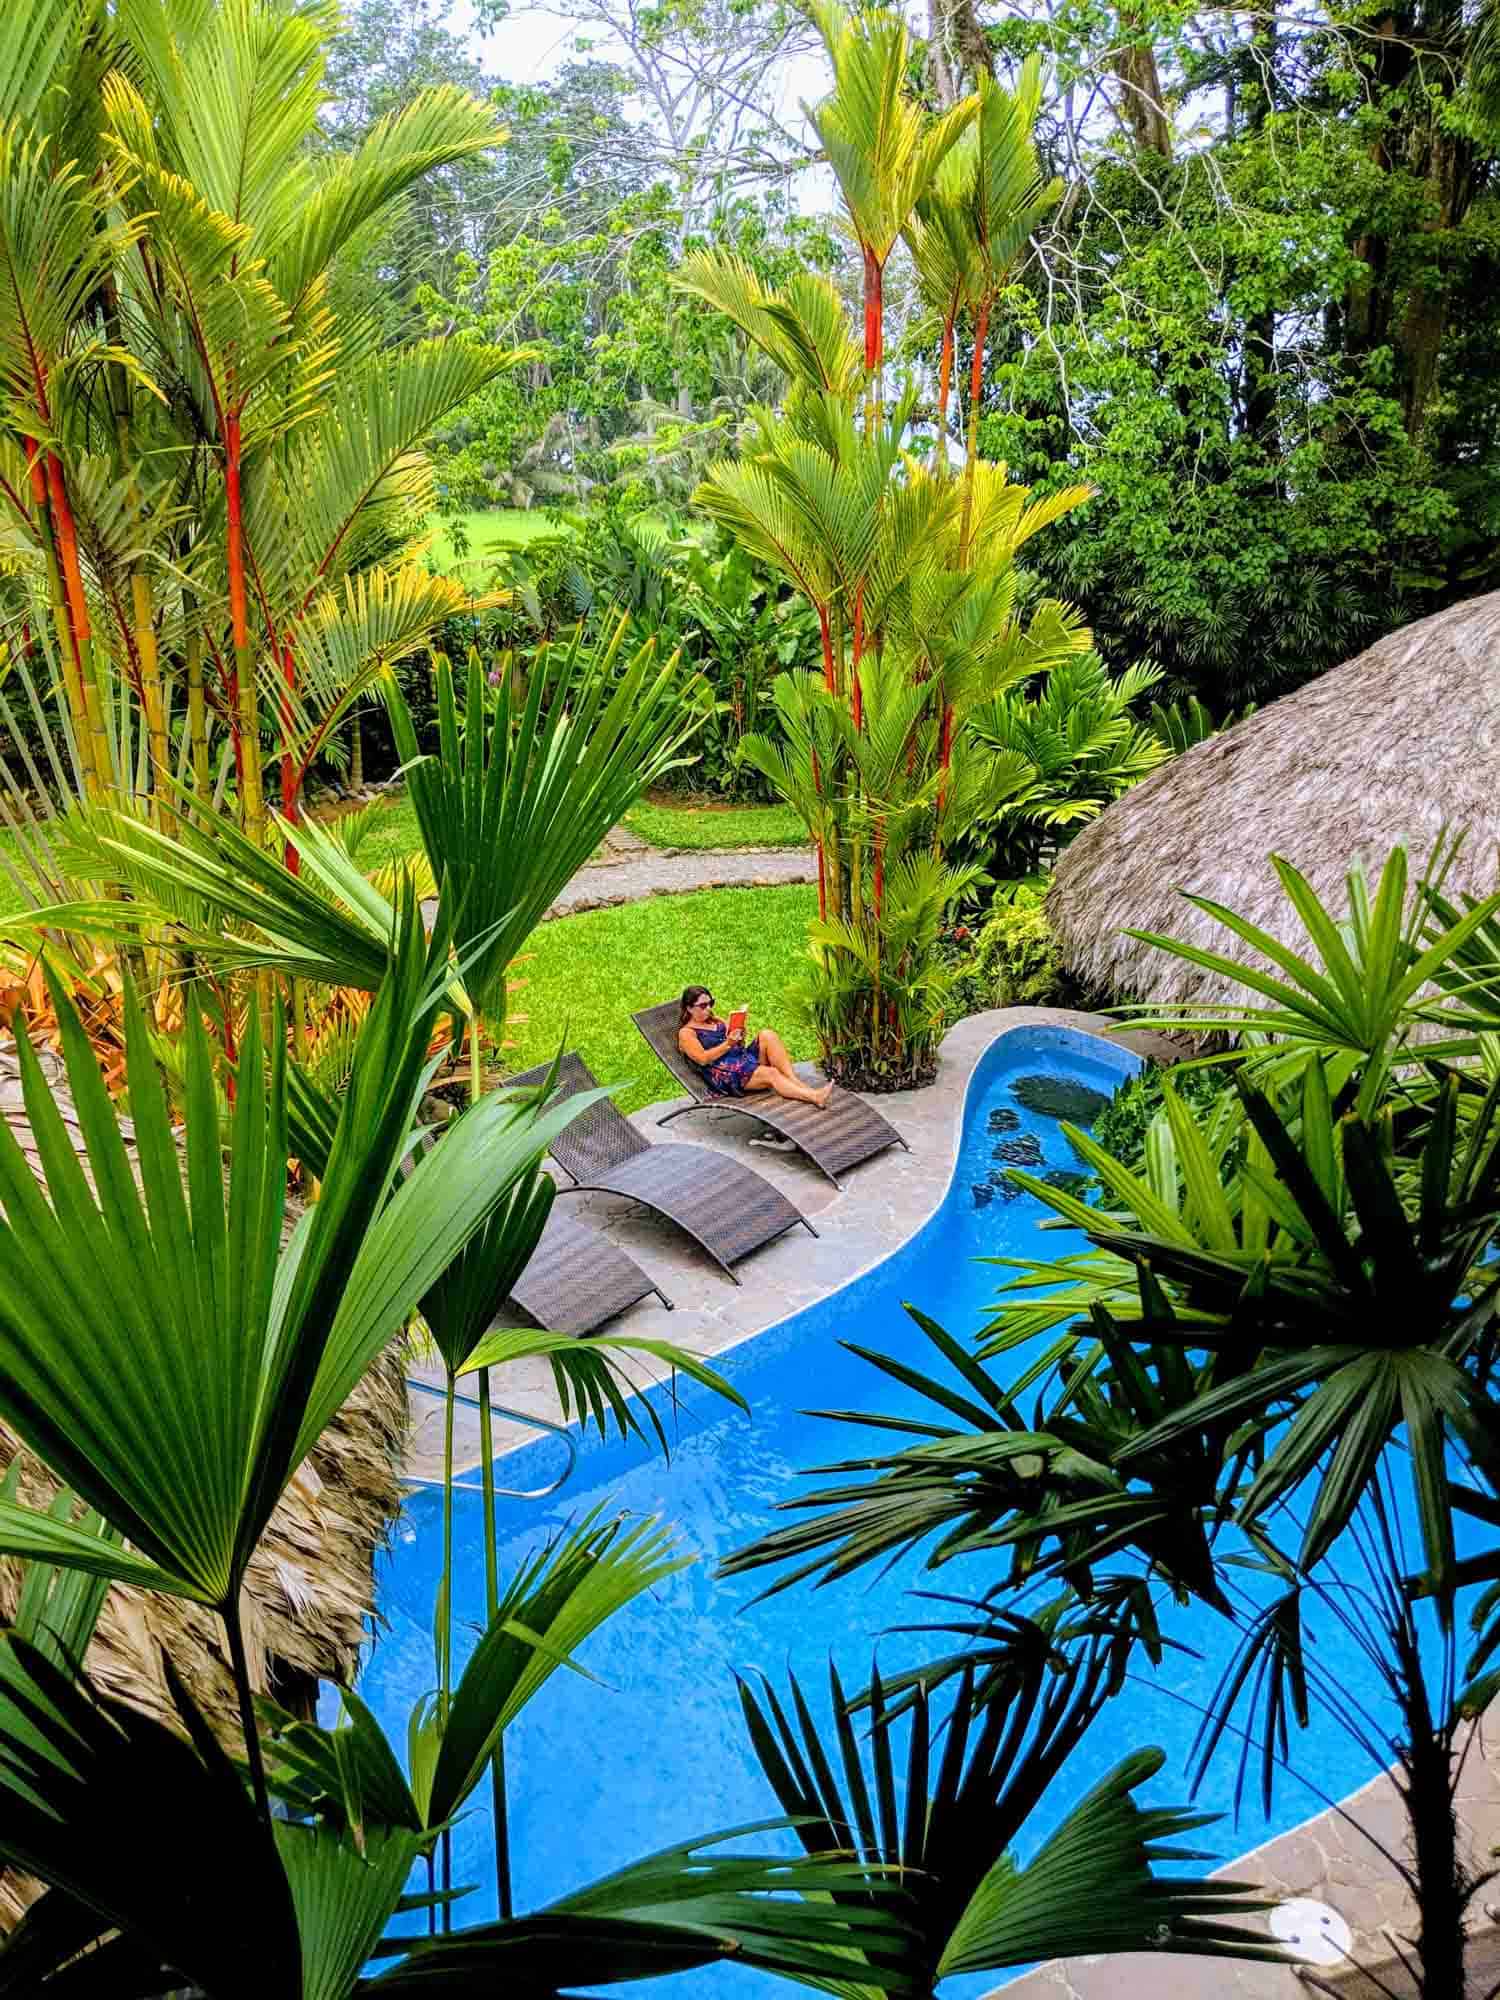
point(707, 1000)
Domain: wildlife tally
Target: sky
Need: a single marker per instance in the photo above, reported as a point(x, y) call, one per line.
point(532, 44)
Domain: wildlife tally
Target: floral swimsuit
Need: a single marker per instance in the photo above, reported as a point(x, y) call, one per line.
point(730, 1075)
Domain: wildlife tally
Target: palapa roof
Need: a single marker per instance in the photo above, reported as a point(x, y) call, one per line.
point(309, 1589)
point(1393, 745)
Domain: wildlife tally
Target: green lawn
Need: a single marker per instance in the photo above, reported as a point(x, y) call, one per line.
point(490, 530)
point(587, 974)
point(393, 832)
point(716, 826)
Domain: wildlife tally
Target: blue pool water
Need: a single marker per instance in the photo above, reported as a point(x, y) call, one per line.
point(600, 1775)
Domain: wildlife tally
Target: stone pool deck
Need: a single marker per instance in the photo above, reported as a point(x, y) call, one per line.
point(1334, 1858)
point(880, 1205)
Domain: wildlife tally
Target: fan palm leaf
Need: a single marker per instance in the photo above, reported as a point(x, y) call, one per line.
point(970, 1782)
point(262, 1347)
point(509, 817)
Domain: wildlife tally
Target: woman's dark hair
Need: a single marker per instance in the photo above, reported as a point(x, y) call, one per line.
point(685, 1005)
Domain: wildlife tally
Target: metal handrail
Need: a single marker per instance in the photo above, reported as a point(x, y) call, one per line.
point(516, 1416)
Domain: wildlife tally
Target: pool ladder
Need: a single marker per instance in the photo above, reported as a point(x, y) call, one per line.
point(515, 1416)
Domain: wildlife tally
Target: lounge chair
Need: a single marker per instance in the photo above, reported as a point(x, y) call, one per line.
point(728, 1209)
point(576, 1279)
point(846, 1132)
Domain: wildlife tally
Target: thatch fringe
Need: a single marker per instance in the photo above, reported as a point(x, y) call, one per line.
point(309, 1590)
point(1395, 744)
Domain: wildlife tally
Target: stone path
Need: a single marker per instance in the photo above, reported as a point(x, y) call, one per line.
point(627, 870)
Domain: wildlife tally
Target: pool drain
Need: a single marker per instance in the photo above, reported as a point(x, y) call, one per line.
point(1317, 1934)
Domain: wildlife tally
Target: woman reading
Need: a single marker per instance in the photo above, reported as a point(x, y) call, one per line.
point(731, 1066)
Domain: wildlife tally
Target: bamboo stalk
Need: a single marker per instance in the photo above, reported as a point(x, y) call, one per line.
point(874, 335)
point(291, 776)
point(971, 454)
point(247, 707)
point(142, 610)
point(859, 649)
point(152, 698)
point(945, 385)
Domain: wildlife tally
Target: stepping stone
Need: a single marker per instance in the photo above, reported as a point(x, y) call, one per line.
point(1023, 1151)
point(1060, 1097)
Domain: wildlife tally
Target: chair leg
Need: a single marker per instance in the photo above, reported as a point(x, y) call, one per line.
point(682, 1111)
point(807, 1225)
point(664, 1299)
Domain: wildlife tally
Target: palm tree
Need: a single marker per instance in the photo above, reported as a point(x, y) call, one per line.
point(883, 149)
point(912, 578)
point(224, 532)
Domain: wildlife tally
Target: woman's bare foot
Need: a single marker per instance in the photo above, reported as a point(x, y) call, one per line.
point(821, 1100)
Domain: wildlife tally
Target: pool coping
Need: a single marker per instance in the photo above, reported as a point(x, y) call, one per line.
point(882, 1205)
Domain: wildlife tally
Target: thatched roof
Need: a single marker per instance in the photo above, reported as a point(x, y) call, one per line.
point(1394, 744)
point(310, 1584)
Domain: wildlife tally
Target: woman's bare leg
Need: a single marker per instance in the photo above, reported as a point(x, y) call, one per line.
point(762, 1078)
point(773, 1051)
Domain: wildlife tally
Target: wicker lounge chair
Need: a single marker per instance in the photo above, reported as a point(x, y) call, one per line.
point(728, 1209)
point(846, 1132)
point(576, 1279)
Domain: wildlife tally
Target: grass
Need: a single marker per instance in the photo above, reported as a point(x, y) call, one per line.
point(701, 827)
point(491, 529)
point(393, 830)
point(392, 833)
point(586, 975)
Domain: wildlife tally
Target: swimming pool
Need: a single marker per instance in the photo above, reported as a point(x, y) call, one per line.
point(603, 1775)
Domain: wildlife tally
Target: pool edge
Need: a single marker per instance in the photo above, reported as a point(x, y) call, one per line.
point(856, 1234)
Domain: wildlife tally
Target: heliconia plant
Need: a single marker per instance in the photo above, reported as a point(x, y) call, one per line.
point(909, 566)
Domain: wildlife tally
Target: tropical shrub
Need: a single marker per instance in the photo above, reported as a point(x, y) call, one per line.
point(909, 570)
point(1012, 959)
point(1082, 745)
point(741, 627)
point(1140, 1101)
point(1181, 724)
